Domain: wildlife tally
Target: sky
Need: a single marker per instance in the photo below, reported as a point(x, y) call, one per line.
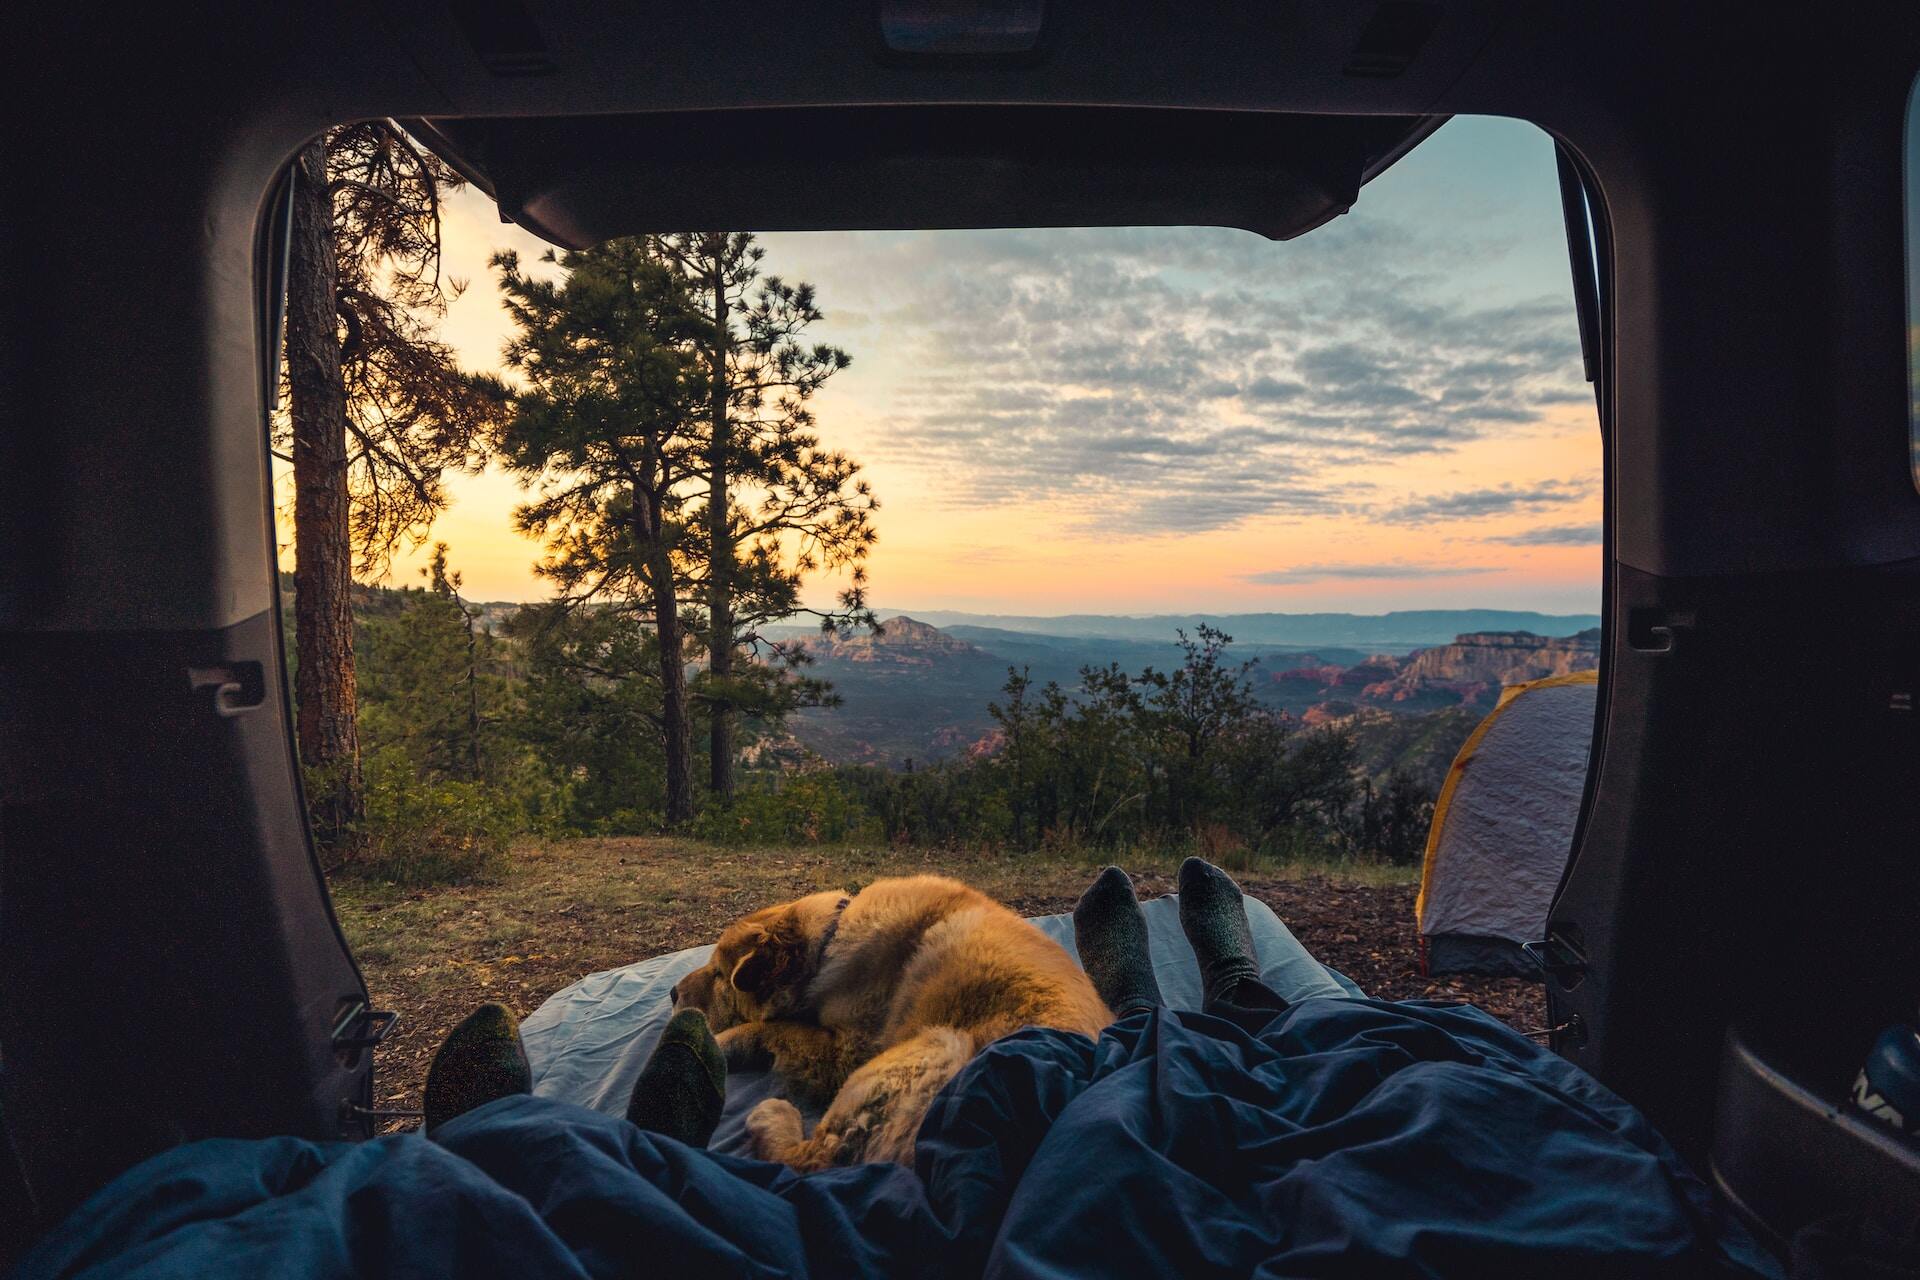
point(1386, 413)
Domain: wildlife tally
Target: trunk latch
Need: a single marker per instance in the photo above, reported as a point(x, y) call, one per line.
point(1560, 955)
point(360, 1028)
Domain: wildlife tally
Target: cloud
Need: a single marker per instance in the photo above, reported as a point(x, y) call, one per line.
point(1157, 380)
point(1362, 572)
point(1266, 387)
point(1554, 535)
point(1476, 504)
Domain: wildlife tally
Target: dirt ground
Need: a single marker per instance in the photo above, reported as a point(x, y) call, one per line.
point(563, 910)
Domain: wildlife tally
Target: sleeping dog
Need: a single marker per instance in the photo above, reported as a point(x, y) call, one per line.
point(869, 1004)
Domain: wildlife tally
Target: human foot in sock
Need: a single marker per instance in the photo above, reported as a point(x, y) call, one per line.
point(1214, 919)
point(1111, 935)
point(480, 1061)
point(683, 1087)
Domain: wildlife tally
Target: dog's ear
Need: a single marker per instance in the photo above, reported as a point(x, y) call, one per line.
point(774, 958)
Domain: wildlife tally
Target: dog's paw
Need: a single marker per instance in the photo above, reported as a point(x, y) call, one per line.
point(743, 1048)
point(774, 1128)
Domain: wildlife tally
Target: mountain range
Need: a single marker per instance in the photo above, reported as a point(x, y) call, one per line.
point(1374, 632)
point(917, 693)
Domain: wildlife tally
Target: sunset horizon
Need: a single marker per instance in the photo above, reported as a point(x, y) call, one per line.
point(1385, 414)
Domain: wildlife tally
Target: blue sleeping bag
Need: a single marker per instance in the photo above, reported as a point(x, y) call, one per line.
point(1343, 1137)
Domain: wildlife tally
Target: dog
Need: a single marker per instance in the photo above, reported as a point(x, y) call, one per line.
point(869, 1004)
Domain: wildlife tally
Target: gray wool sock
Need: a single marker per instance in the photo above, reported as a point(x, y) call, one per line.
point(1111, 935)
point(481, 1061)
point(683, 1088)
point(1214, 918)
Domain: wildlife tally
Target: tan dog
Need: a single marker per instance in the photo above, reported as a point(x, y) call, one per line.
point(875, 1002)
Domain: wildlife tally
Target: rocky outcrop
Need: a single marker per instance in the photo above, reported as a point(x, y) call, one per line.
point(1469, 672)
point(1503, 657)
point(901, 642)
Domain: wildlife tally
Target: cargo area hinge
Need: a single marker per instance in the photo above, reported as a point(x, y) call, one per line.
point(359, 1028)
point(1560, 956)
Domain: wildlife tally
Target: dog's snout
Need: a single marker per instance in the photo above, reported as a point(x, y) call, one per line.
point(673, 993)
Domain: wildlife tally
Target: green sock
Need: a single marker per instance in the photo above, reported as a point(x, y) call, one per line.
point(480, 1061)
point(1214, 918)
point(683, 1087)
point(1110, 933)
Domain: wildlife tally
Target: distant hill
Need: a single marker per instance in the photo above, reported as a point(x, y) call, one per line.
point(912, 692)
point(1469, 672)
point(1063, 656)
point(919, 692)
point(901, 642)
point(1421, 745)
point(1401, 630)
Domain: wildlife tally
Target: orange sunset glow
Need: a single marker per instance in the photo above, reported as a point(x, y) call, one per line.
point(1387, 413)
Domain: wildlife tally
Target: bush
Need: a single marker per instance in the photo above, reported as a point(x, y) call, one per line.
point(810, 808)
point(958, 802)
point(419, 832)
point(527, 788)
point(1391, 824)
point(1303, 844)
point(627, 822)
point(1221, 845)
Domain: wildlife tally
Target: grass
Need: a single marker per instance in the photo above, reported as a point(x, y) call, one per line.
point(662, 893)
point(552, 912)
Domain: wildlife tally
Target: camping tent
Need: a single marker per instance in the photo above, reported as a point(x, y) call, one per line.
point(1503, 826)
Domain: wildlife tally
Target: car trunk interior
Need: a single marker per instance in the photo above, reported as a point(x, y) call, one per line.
point(1737, 921)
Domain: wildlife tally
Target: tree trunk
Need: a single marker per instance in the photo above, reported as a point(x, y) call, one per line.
point(322, 542)
point(720, 636)
point(675, 725)
point(655, 567)
point(473, 691)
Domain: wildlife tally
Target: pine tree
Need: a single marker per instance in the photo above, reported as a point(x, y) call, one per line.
point(591, 710)
point(378, 410)
point(446, 585)
point(1194, 708)
point(777, 505)
point(432, 685)
point(608, 431)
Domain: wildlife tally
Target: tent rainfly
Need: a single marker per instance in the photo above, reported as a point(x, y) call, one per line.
point(1503, 828)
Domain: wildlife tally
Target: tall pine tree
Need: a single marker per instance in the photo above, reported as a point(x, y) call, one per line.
point(609, 432)
point(378, 410)
point(777, 505)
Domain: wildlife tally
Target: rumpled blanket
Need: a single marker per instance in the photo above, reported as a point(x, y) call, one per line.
point(1341, 1137)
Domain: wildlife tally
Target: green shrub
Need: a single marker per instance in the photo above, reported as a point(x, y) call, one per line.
point(540, 800)
point(627, 822)
point(809, 808)
point(1221, 845)
point(1306, 845)
point(953, 803)
point(419, 832)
